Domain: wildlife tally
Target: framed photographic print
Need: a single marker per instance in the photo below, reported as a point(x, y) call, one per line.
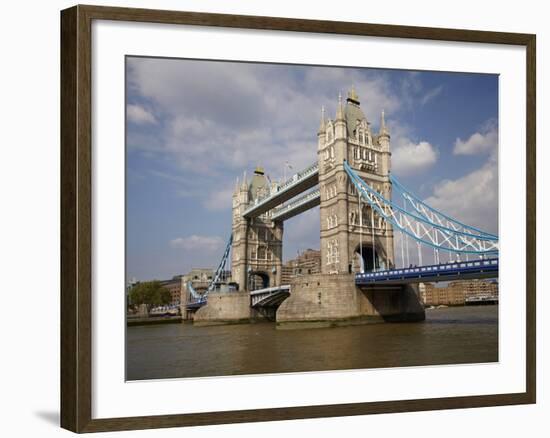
point(313, 208)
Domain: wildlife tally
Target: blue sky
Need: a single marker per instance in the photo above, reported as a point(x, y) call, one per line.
point(194, 126)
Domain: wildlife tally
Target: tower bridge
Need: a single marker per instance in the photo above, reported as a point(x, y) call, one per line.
point(363, 207)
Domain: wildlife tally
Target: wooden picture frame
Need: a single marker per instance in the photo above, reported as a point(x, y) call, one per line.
point(76, 217)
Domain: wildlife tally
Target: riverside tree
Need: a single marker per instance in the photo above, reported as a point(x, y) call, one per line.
point(150, 293)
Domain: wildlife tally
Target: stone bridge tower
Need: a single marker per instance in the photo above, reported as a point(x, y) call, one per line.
point(256, 260)
point(351, 241)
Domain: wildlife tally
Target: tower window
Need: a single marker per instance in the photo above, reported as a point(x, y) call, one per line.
point(262, 253)
point(332, 252)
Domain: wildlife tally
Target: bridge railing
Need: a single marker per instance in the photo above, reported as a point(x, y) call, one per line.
point(299, 175)
point(490, 265)
point(261, 295)
point(270, 289)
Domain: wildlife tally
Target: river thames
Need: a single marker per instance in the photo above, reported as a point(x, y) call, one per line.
point(451, 335)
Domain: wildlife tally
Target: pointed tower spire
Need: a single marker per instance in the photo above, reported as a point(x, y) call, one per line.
point(244, 185)
point(236, 184)
point(323, 122)
point(383, 128)
point(340, 110)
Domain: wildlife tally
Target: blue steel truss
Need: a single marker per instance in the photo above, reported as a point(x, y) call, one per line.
point(425, 224)
point(200, 298)
point(431, 213)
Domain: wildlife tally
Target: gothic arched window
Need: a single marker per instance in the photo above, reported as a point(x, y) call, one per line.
point(335, 253)
point(330, 132)
point(262, 253)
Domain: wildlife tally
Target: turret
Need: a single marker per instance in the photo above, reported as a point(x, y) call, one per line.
point(243, 195)
point(321, 135)
point(384, 142)
point(244, 185)
point(340, 122)
point(384, 133)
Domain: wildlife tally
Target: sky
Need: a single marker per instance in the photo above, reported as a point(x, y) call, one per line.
point(194, 126)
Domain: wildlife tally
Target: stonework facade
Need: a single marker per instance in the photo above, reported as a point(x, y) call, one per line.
point(324, 300)
point(224, 308)
point(256, 258)
point(353, 236)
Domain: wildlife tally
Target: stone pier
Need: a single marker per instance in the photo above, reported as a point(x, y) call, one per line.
point(226, 308)
point(324, 300)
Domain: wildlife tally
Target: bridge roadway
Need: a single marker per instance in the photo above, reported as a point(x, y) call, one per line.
point(270, 296)
point(298, 183)
point(443, 272)
point(195, 304)
point(451, 271)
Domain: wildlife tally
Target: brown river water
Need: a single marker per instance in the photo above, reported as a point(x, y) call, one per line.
point(452, 335)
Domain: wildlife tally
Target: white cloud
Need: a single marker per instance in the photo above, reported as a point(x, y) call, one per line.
point(221, 118)
point(481, 142)
point(139, 115)
point(196, 242)
point(220, 198)
point(472, 199)
point(409, 158)
point(431, 94)
point(413, 92)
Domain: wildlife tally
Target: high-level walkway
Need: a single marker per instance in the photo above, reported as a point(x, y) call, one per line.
point(297, 206)
point(298, 183)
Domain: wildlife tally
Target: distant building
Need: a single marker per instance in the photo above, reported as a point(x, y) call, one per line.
point(477, 288)
point(174, 286)
point(457, 293)
point(308, 262)
point(200, 278)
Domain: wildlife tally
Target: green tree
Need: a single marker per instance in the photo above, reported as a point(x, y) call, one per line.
point(150, 293)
